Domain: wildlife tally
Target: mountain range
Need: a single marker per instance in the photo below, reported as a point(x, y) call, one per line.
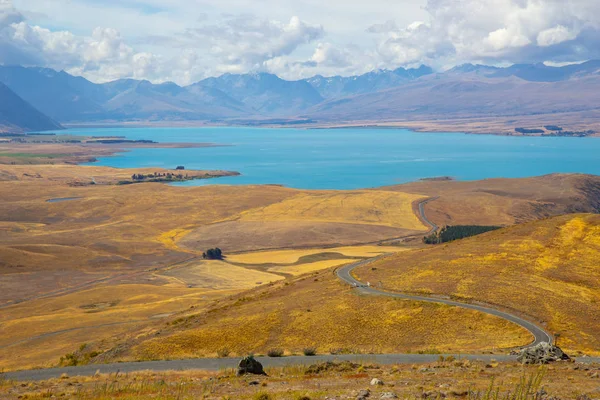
point(464, 91)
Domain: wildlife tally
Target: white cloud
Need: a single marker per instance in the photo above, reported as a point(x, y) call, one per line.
point(556, 35)
point(175, 40)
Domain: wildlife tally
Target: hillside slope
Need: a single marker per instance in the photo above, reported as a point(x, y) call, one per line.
point(18, 116)
point(506, 201)
point(321, 312)
point(548, 270)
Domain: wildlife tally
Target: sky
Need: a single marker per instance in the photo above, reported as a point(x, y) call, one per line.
point(185, 41)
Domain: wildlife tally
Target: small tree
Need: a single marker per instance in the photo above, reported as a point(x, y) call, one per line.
point(213, 254)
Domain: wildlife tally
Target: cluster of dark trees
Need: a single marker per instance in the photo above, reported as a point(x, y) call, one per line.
point(527, 131)
point(553, 128)
point(156, 175)
point(573, 133)
point(213, 254)
point(450, 233)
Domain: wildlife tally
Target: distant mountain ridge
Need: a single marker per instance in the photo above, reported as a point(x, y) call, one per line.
point(18, 116)
point(384, 94)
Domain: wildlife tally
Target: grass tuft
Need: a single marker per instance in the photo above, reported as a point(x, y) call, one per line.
point(275, 353)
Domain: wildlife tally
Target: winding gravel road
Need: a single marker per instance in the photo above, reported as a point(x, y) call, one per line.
point(345, 274)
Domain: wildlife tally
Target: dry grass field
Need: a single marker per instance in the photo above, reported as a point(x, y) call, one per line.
point(292, 256)
point(311, 219)
point(548, 270)
point(442, 379)
point(104, 240)
point(111, 264)
point(317, 310)
point(373, 207)
point(37, 333)
point(507, 201)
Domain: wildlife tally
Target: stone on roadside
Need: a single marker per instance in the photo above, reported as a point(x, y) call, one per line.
point(543, 353)
point(249, 365)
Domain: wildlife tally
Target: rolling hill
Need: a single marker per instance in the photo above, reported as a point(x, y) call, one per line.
point(547, 270)
point(17, 116)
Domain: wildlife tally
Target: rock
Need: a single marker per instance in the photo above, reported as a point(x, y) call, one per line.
point(249, 365)
point(388, 395)
point(254, 383)
point(543, 353)
point(376, 382)
point(363, 394)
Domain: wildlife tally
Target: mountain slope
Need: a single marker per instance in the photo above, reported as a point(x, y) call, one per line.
point(547, 270)
point(57, 94)
point(456, 97)
point(17, 116)
point(338, 86)
point(266, 94)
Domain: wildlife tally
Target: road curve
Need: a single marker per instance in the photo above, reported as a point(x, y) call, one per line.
point(345, 274)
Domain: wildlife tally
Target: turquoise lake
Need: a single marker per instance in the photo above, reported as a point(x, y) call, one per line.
point(353, 158)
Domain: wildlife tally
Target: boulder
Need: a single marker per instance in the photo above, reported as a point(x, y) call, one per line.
point(249, 365)
point(376, 382)
point(543, 353)
point(389, 395)
point(363, 394)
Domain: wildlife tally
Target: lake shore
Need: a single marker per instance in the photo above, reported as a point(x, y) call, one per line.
point(497, 125)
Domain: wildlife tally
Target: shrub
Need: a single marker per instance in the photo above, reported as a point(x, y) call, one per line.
point(450, 233)
point(302, 397)
point(262, 396)
point(275, 353)
point(309, 351)
point(224, 352)
point(213, 254)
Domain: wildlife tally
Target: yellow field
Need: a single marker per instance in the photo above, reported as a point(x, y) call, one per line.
point(383, 208)
point(218, 275)
point(300, 269)
point(39, 332)
point(548, 270)
point(292, 256)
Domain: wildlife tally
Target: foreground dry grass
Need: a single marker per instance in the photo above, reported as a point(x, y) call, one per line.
point(443, 379)
point(548, 270)
point(37, 333)
point(318, 311)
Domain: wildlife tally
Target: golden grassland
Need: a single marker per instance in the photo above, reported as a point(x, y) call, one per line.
point(382, 208)
point(114, 264)
point(319, 311)
point(114, 242)
point(300, 269)
point(548, 270)
point(37, 333)
point(219, 275)
point(506, 201)
point(292, 256)
point(442, 379)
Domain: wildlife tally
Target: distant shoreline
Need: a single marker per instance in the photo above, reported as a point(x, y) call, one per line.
point(500, 126)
